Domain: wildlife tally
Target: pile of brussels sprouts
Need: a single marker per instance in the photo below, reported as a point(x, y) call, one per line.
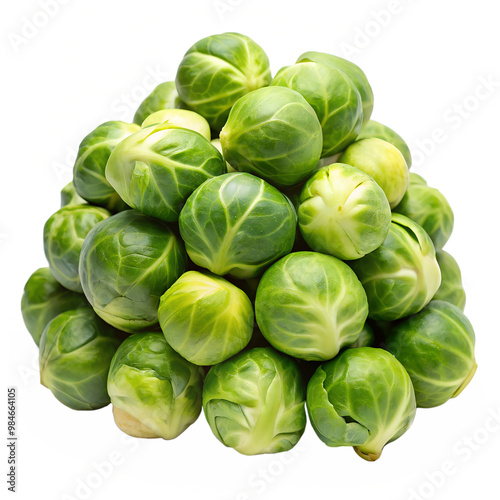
point(255, 246)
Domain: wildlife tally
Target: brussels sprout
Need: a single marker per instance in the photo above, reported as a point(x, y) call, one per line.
point(436, 347)
point(334, 98)
point(366, 338)
point(383, 162)
point(428, 208)
point(127, 263)
point(157, 168)
point(376, 129)
point(154, 391)
point(63, 236)
point(254, 402)
point(205, 318)
point(69, 196)
point(355, 73)
point(451, 289)
point(343, 212)
point(75, 353)
point(402, 275)
point(310, 305)
point(216, 71)
point(43, 299)
point(164, 96)
point(237, 224)
point(273, 133)
point(416, 179)
point(180, 118)
point(89, 170)
point(362, 398)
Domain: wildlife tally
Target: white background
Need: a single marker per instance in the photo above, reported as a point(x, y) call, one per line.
point(92, 61)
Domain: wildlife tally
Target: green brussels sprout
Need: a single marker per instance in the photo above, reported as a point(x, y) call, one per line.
point(90, 166)
point(310, 305)
point(180, 118)
point(416, 179)
point(69, 196)
point(254, 402)
point(436, 347)
point(155, 393)
point(354, 72)
point(157, 168)
point(205, 318)
point(383, 162)
point(402, 275)
point(366, 338)
point(428, 208)
point(376, 129)
point(43, 299)
point(127, 263)
point(164, 96)
point(216, 71)
point(362, 398)
point(63, 236)
point(237, 224)
point(334, 98)
point(343, 212)
point(451, 289)
point(274, 133)
point(76, 349)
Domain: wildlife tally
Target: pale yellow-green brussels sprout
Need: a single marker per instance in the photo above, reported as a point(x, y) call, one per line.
point(154, 391)
point(376, 129)
point(182, 118)
point(343, 212)
point(205, 318)
point(384, 162)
